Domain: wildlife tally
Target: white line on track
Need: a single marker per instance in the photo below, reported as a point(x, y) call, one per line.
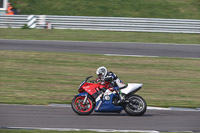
point(148, 107)
point(130, 55)
point(96, 130)
point(75, 129)
point(144, 56)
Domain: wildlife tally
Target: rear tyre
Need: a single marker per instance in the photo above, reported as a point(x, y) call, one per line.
point(136, 105)
point(80, 108)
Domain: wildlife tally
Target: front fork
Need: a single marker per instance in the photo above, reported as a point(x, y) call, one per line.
point(85, 99)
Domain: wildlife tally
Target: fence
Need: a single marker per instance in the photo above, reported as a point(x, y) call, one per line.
point(102, 23)
point(13, 21)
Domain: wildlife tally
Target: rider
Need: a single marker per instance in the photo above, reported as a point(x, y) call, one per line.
point(115, 82)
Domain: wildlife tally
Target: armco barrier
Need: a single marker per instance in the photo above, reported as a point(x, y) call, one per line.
point(13, 21)
point(102, 23)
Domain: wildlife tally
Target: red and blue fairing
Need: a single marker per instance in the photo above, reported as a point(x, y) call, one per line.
point(106, 105)
point(102, 104)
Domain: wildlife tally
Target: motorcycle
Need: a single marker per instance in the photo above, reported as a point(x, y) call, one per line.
point(100, 97)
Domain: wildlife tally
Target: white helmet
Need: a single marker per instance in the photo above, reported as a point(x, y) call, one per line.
point(101, 71)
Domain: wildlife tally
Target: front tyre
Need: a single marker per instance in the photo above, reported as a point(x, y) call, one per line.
point(136, 105)
point(80, 108)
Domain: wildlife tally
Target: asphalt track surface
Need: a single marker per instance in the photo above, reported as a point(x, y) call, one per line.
point(122, 48)
point(63, 117)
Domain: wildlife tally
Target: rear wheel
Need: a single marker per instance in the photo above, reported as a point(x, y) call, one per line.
point(136, 105)
point(80, 108)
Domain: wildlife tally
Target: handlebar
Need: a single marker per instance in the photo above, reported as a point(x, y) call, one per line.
point(88, 78)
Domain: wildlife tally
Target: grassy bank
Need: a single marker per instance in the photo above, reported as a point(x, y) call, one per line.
point(48, 77)
point(106, 36)
point(189, 9)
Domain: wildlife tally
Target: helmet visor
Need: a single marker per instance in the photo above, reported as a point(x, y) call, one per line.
point(100, 75)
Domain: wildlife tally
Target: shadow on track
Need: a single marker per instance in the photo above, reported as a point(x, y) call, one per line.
point(117, 114)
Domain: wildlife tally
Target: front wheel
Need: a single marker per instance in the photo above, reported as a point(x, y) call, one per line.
point(136, 105)
point(80, 108)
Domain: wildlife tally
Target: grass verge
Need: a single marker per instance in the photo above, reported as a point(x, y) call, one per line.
point(49, 77)
point(105, 36)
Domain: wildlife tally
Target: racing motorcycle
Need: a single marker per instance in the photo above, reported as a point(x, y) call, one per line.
point(100, 97)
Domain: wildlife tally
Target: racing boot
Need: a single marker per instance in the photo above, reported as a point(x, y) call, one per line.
point(120, 97)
